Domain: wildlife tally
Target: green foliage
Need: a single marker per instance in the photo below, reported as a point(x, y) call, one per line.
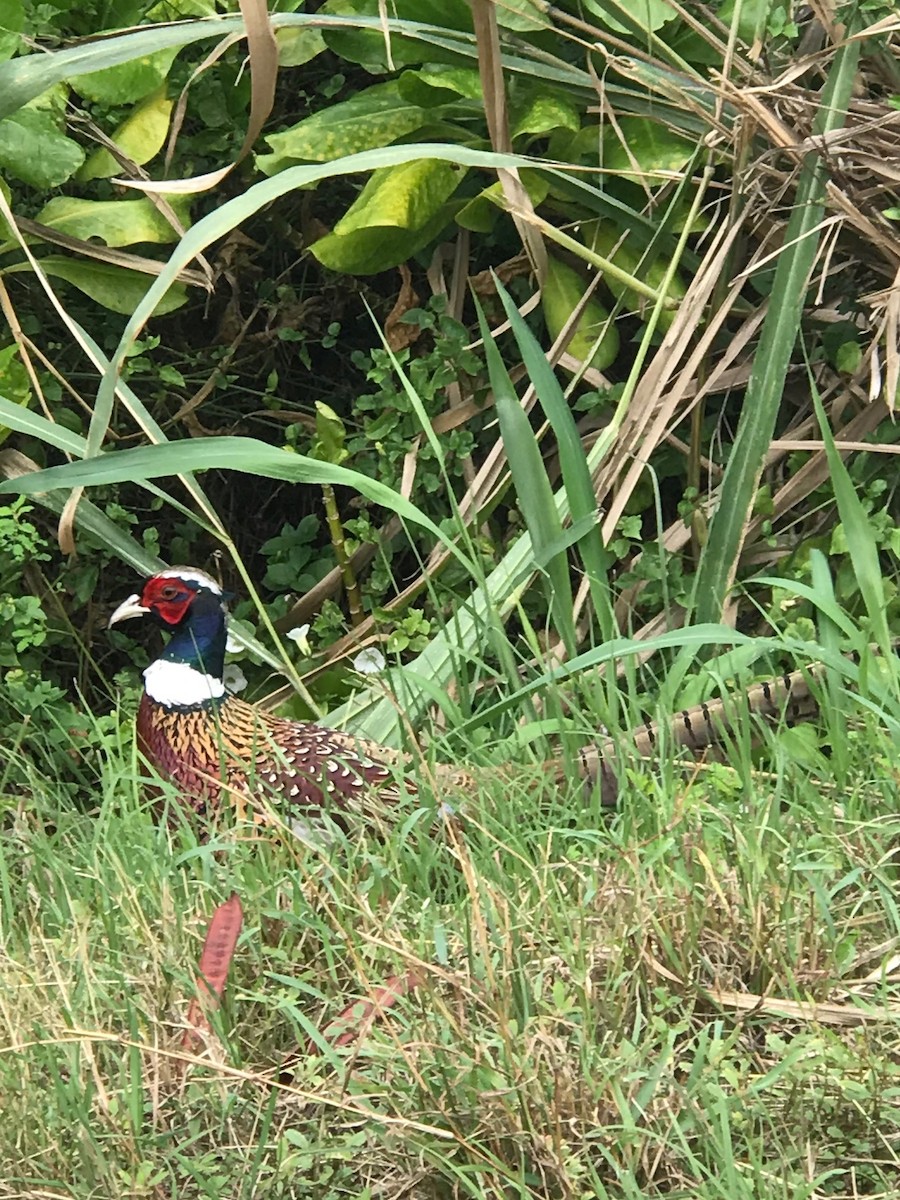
point(377, 154)
point(294, 563)
point(23, 627)
point(390, 420)
point(541, 516)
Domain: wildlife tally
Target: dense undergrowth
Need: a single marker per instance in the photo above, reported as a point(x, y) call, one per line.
point(546, 357)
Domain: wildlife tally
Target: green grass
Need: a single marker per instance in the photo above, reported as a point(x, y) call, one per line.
point(565, 1041)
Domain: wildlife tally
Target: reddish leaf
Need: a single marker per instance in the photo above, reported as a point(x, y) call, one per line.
point(398, 335)
point(215, 960)
point(357, 1018)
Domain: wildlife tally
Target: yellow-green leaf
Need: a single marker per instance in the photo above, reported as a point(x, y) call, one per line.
point(434, 85)
point(562, 290)
point(480, 213)
point(14, 384)
point(114, 222)
point(603, 237)
point(298, 46)
point(398, 211)
point(651, 146)
point(374, 117)
point(127, 82)
point(141, 136)
point(544, 113)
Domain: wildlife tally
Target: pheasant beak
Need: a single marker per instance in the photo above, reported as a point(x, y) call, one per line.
point(129, 608)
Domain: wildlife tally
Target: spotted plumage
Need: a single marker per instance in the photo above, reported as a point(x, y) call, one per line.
point(217, 748)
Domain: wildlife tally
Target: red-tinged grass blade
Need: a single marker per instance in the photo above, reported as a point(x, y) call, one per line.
point(215, 961)
point(357, 1018)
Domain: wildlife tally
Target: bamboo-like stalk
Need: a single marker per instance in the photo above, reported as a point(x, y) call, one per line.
point(339, 545)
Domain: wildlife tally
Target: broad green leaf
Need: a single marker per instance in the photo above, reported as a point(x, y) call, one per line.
point(114, 222)
point(648, 14)
point(14, 383)
point(126, 83)
point(12, 22)
point(141, 136)
point(433, 86)
point(650, 145)
point(296, 47)
point(374, 117)
point(178, 10)
point(523, 16)
point(34, 150)
point(405, 196)
point(562, 291)
point(116, 288)
point(543, 113)
point(398, 211)
point(480, 214)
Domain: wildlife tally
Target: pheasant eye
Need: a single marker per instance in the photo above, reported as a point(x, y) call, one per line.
point(169, 592)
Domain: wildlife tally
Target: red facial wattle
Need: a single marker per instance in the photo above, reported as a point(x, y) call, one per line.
point(167, 599)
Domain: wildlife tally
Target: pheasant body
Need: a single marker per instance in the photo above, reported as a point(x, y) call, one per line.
point(218, 749)
point(231, 749)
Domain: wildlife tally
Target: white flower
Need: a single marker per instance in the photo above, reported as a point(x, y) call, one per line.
point(234, 678)
point(369, 661)
point(300, 635)
point(232, 646)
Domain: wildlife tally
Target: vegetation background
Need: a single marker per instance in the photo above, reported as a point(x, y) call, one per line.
point(525, 370)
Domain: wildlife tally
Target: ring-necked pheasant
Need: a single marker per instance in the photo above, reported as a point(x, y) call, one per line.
point(215, 746)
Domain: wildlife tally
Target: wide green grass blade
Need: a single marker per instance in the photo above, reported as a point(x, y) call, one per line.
point(533, 491)
point(861, 544)
point(222, 453)
point(773, 355)
point(32, 424)
point(572, 460)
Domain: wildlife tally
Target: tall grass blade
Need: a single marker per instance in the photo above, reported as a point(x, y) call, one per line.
point(533, 490)
point(572, 460)
point(861, 544)
point(773, 355)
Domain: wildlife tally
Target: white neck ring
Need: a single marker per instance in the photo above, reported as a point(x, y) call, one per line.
point(176, 684)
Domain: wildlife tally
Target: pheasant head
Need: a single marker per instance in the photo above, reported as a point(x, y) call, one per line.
point(190, 605)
